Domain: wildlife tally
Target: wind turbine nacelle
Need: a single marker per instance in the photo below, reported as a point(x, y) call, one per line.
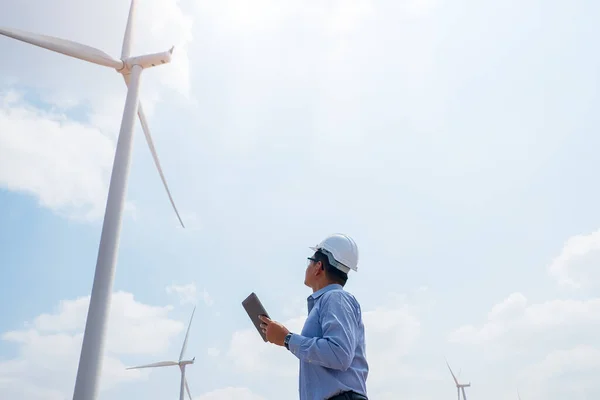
point(150, 60)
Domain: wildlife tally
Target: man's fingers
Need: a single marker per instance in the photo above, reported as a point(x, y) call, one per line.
point(263, 327)
point(264, 318)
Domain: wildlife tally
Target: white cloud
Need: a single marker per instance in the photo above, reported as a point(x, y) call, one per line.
point(561, 361)
point(48, 350)
point(578, 264)
point(66, 164)
point(208, 300)
point(548, 349)
point(213, 352)
point(391, 333)
point(188, 294)
point(48, 347)
point(516, 322)
point(569, 373)
point(249, 354)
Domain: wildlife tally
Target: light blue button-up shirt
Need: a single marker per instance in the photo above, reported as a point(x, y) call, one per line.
point(331, 347)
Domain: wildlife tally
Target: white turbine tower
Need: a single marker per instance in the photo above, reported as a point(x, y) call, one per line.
point(90, 362)
point(181, 363)
point(460, 387)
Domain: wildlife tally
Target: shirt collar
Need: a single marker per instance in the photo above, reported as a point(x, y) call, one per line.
point(326, 289)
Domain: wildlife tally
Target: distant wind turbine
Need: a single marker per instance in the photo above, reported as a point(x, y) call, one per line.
point(181, 363)
point(460, 387)
point(90, 361)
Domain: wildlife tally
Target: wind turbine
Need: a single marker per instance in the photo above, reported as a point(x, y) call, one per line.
point(181, 363)
point(460, 387)
point(90, 362)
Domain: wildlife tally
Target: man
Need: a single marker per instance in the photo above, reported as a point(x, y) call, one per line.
point(331, 346)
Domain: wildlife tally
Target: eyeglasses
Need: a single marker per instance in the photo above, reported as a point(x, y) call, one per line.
point(312, 259)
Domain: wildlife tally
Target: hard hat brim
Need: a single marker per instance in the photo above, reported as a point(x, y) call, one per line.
point(334, 263)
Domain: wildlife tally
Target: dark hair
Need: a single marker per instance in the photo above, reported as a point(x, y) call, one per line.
point(332, 273)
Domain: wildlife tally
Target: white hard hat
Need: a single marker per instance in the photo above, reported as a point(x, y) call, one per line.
point(341, 250)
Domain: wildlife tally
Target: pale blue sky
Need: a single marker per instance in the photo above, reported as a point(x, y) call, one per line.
point(455, 141)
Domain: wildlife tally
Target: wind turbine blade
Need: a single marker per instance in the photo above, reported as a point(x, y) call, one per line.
point(66, 47)
point(156, 365)
point(463, 392)
point(187, 388)
point(454, 377)
point(150, 142)
point(127, 39)
point(518, 394)
point(146, 130)
point(187, 335)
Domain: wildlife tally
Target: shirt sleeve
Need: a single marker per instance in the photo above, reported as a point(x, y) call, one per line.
point(335, 349)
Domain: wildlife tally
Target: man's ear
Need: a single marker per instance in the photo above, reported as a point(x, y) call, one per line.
point(320, 268)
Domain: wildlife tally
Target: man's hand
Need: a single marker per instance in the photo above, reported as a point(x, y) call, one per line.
point(275, 331)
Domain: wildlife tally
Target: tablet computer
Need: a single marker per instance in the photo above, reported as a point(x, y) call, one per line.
point(254, 308)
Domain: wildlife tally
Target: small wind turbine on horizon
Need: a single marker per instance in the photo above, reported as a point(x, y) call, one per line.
point(181, 363)
point(460, 387)
point(90, 361)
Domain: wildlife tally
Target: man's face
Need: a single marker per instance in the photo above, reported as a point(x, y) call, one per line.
point(311, 269)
